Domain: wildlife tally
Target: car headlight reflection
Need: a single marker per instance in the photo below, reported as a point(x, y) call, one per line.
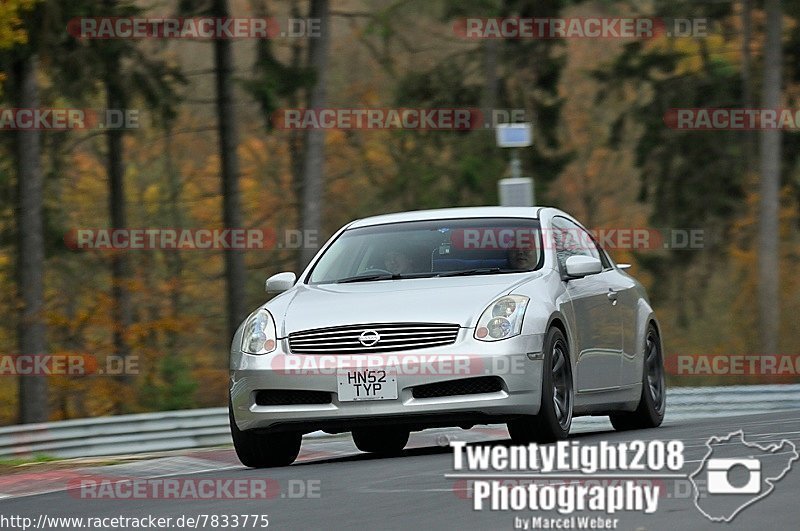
point(502, 318)
point(258, 336)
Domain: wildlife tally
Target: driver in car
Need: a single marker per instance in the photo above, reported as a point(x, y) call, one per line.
point(522, 259)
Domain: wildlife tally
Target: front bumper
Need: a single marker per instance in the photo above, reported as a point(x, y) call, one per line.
point(516, 361)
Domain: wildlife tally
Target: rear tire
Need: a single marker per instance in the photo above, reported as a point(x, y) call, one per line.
point(554, 419)
point(386, 441)
point(263, 450)
point(652, 403)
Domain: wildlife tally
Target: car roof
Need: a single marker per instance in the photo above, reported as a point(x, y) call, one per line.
point(450, 213)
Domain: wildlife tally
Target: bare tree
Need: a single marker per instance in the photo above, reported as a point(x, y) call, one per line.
point(314, 158)
point(747, 88)
point(229, 170)
point(33, 406)
point(120, 264)
point(768, 263)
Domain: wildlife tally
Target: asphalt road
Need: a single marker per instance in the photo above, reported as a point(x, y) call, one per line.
point(360, 491)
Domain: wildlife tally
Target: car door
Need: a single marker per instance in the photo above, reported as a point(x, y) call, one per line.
point(597, 322)
point(625, 290)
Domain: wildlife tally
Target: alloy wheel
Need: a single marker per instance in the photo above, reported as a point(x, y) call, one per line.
point(562, 384)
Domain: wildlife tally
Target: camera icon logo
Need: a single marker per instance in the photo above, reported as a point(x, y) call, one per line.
point(719, 472)
point(735, 473)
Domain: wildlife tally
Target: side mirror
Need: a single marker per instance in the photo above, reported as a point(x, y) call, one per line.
point(280, 282)
point(581, 266)
point(623, 266)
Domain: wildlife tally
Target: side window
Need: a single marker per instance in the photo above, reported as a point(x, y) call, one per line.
point(571, 240)
point(557, 234)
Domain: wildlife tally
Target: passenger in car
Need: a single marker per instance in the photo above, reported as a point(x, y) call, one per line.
point(522, 259)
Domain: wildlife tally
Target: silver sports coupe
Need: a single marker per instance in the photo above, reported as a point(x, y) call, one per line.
point(451, 317)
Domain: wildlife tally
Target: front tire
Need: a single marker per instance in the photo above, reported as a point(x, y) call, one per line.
point(554, 419)
point(386, 441)
point(653, 401)
point(264, 450)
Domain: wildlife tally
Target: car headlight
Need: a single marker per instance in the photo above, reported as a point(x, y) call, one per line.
point(502, 319)
point(258, 336)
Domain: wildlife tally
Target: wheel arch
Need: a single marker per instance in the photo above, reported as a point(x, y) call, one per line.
point(559, 321)
point(645, 317)
point(651, 320)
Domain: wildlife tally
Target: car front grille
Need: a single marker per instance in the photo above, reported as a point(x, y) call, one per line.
point(393, 337)
point(291, 397)
point(466, 386)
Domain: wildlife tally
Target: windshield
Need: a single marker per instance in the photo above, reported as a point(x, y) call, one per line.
point(431, 248)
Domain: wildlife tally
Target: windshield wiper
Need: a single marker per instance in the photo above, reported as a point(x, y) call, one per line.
point(384, 276)
point(479, 271)
point(367, 278)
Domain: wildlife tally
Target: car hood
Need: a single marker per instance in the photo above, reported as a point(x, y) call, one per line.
point(437, 300)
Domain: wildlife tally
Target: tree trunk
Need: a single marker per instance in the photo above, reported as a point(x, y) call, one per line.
point(768, 257)
point(120, 265)
point(229, 172)
point(296, 146)
point(174, 259)
point(314, 159)
point(33, 402)
point(33, 406)
point(747, 83)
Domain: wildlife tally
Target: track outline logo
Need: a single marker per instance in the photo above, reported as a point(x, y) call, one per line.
point(707, 464)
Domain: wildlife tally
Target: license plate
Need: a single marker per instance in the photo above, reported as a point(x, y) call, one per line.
point(366, 384)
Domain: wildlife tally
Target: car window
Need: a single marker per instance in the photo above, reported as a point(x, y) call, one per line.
point(432, 248)
point(570, 239)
